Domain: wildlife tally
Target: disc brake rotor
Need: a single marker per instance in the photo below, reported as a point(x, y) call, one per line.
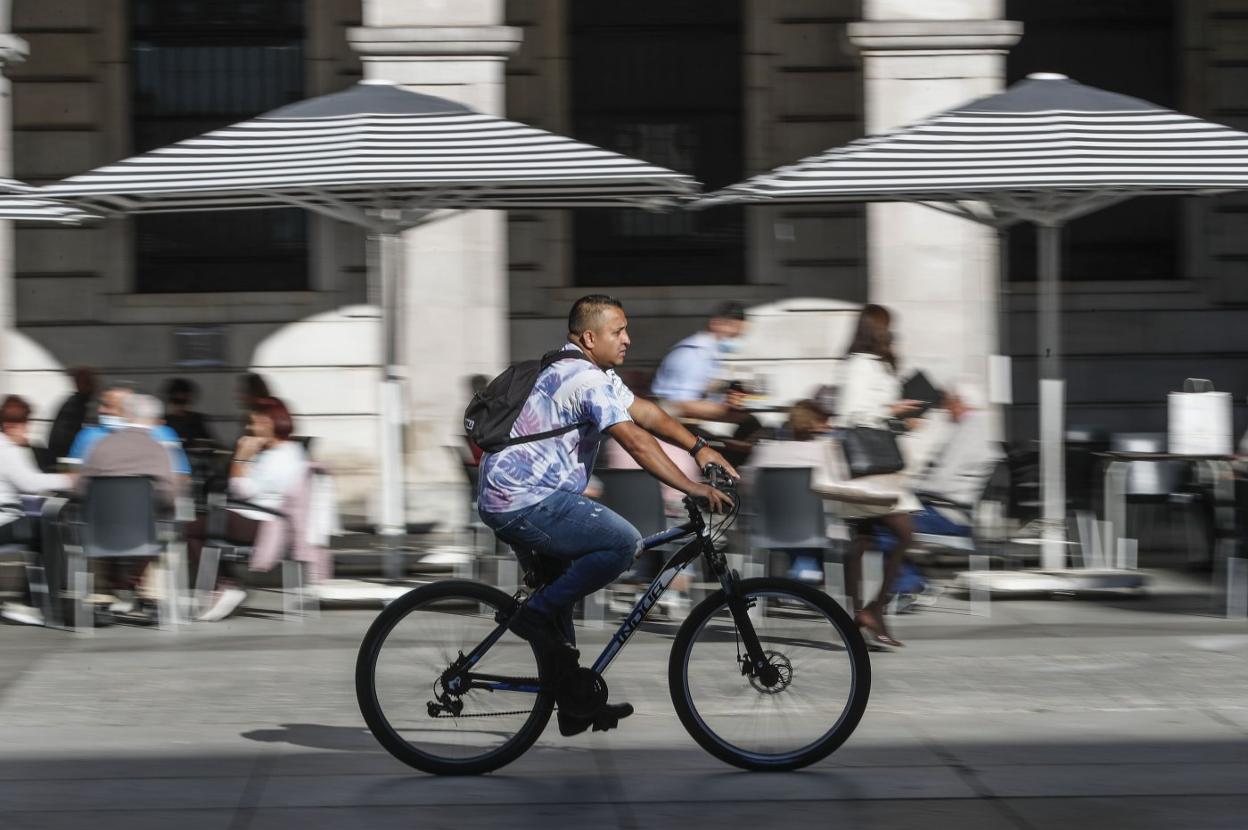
point(784, 669)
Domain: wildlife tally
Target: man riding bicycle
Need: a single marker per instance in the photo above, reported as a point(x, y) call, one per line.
point(532, 494)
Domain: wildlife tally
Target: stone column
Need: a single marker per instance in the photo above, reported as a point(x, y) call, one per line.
point(939, 273)
point(454, 292)
point(13, 49)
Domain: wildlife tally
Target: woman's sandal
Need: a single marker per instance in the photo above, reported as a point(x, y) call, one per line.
point(871, 621)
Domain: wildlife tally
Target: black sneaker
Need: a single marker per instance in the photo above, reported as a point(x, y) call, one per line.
point(608, 717)
point(543, 632)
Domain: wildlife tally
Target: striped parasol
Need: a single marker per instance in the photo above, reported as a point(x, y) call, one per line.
point(31, 209)
point(375, 147)
point(1046, 150)
point(387, 159)
point(17, 204)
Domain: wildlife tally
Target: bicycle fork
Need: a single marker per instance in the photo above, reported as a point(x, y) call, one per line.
point(755, 662)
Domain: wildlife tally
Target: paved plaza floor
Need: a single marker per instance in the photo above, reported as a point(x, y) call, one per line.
point(1110, 713)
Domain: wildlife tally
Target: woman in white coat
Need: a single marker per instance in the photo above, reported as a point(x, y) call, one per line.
point(870, 396)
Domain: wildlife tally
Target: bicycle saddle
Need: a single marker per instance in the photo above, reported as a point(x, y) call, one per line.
point(538, 570)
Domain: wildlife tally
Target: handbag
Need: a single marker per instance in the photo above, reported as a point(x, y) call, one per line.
point(870, 451)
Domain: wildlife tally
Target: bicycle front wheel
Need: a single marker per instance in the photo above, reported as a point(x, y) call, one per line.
point(824, 670)
point(399, 672)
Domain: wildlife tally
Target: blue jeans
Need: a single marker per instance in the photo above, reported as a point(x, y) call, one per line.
point(910, 579)
point(599, 544)
point(928, 520)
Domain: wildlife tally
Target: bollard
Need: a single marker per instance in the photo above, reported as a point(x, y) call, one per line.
point(592, 610)
point(1090, 548)
point(84, 614)
point(508, 574)
point(1236, 588)
point(1128, 554)
point(205, 580)
point(37, 579)
point(465, 568)
point(981, 597)
point(834, 583)
point(292, 589)
point(872, 573)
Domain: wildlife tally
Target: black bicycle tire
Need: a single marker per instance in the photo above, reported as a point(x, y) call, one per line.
point(705, 738)
point(370, 708)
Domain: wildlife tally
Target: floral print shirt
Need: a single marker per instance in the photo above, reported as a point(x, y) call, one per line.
point(567, 392)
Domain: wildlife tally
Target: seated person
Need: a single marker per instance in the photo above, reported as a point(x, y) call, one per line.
point(111, 416)
point(688, 381)
point(131, 449)
point(266, 470)
point(19, 476)
point(71, 417)
point(191, 426)
point(798, 444)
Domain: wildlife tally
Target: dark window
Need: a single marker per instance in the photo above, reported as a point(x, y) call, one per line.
point(1126, 46)
point(661, 80)
point(199, 65)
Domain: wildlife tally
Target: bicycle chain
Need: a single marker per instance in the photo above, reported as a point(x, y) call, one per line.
point(489, 714)
point(484, 714)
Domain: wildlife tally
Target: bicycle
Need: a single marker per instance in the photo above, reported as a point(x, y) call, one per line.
point(765, 673)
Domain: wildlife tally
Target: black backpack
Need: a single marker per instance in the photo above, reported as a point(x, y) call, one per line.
point(489, 418)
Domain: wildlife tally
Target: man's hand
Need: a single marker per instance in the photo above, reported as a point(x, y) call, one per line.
point(708, 455)
point(718, 501)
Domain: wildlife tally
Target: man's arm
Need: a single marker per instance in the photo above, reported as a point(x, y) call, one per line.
point(646, 451)
point(654, 420)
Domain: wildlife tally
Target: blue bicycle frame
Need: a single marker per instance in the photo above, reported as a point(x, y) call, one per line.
point(699, 545)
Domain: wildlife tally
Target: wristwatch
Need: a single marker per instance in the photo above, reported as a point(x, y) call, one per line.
point(698, 446)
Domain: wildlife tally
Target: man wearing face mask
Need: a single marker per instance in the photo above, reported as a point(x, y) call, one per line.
point(689, 382)
point(111, 417)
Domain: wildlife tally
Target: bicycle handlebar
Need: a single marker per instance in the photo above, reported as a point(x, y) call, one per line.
point(718, 477)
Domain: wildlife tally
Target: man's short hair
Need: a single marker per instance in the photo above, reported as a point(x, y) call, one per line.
point(730, 310)
point(84, 380)
point(144, 408)
point(14, 410)
point(180, 390)
point(587, 310)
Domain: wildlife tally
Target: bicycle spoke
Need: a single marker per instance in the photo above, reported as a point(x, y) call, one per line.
point(789, 716)
point(419, 649)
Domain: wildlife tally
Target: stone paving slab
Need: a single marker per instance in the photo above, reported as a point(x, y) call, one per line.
point(1063, 715)
point(103, 794)
point(123, 819)
point(1165, 736)
point(1139, 813)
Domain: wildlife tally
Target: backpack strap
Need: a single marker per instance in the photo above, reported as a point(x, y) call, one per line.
point(563, 354)
point(548, 359)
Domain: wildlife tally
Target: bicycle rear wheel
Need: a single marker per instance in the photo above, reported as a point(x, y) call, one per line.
point(402, 659)
point(823, 665)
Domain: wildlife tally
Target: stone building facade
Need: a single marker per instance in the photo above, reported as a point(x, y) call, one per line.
point(722, 90)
